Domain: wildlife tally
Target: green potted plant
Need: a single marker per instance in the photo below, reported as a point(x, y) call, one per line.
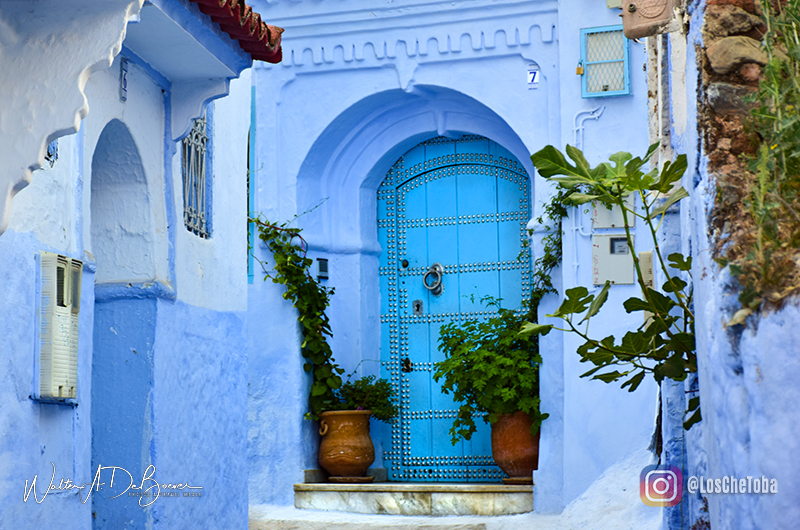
point(346, 449)
point(490, 368)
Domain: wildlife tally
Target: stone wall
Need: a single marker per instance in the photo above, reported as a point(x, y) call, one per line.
point(747, 373)
point(732, 65)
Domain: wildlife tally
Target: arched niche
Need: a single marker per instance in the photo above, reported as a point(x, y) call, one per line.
point(122, 230)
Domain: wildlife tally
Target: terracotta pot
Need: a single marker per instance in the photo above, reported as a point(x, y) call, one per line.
point(514, 449)
point(346, 449)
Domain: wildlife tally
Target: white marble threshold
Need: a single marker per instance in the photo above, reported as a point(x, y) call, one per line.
point(416, 498)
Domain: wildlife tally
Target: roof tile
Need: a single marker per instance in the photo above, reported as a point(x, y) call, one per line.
point(237, 19)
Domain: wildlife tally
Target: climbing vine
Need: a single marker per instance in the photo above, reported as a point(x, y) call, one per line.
point(555, 210)
point(311, 299)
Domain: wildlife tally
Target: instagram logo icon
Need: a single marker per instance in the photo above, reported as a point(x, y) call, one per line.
point(661, 486)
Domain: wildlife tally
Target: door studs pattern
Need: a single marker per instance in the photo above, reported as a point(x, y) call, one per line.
point(400, 317)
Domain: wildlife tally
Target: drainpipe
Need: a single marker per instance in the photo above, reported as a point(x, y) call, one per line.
point(577, 131)
point(577, 123)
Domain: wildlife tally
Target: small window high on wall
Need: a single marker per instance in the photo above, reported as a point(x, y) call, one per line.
point(196, 189)
point(604, 57)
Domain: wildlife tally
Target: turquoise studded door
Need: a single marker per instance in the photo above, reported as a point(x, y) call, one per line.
point(451, 223)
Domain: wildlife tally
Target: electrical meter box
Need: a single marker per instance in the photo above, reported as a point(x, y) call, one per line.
point(59, 291)
point(644, 18)
point(602, 217)
point(612, 260)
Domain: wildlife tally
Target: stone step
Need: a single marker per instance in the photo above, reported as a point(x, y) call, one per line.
point(434, 499)
point(264, 517)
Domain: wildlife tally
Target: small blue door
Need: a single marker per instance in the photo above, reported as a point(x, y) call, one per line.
point(454, 210)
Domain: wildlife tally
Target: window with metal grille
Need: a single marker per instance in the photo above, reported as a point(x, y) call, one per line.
point(196, 199)
point(604, 56)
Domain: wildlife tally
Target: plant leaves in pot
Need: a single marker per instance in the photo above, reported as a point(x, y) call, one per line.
point(490, 368)
point(346, 449)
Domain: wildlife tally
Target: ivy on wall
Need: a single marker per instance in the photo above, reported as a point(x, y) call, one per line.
point(311, 299)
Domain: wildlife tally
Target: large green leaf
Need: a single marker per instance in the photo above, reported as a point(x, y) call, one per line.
point(677, 261)
point(661, 304)
point(580, 161)
point(581, 198)
point(576, 301)
point(671, 172)
point(549, 162)
point(636, 304)
point(535, 329)
point(674, 285)
point(674, 197)
point(638, 181)
point(597, 303)
point(634, 381)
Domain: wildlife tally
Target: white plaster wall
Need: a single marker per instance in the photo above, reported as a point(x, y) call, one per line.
point(143, 116)
point(47, 207)
point(50, 49)
point(212, 272)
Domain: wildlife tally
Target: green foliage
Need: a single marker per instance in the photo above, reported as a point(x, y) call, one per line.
point(763, 251)
point(368, 394)
point(554, 211)
point(490, 368)
point(311, 301)
point(664, 345)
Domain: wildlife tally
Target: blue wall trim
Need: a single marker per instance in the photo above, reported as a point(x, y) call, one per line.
point(251, 189)
point(210, 169)
point(154, 74)
point(170, 147)
point(127, 291)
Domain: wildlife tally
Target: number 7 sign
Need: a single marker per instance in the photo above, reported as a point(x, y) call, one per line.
point(533, 76)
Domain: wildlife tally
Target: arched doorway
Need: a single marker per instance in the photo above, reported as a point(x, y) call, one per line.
point(463, 205)
point(122, 242)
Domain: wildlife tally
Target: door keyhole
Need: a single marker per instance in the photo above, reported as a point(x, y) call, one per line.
point(416, 305)
point(407, 367)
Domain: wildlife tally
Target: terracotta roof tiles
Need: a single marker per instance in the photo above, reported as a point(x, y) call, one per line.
point(237, 19)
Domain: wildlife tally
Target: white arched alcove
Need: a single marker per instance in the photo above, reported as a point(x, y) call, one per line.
point(122, 230)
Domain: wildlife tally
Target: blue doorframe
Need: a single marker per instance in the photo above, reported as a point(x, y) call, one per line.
point(463, 204)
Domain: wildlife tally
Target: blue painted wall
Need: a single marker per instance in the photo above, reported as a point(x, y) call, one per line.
point(358, 89)
point(122, 405)
point(34, 435)
point(200, 419)
point(179, 401)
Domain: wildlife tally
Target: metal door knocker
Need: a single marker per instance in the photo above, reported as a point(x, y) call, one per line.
point(435, 272)
point(407, 365)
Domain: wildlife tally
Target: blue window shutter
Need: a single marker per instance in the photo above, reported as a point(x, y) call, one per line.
point(605, 58)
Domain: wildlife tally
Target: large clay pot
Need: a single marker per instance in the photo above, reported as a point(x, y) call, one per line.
point(346, 449)
point(514, 449)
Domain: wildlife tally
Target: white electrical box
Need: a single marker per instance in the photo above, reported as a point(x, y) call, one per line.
point(59, 288)
point(602, 217)
point(611, 260)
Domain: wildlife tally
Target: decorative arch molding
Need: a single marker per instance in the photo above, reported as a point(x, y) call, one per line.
point(425, 30)
point(349, 160)
point(49, 50)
